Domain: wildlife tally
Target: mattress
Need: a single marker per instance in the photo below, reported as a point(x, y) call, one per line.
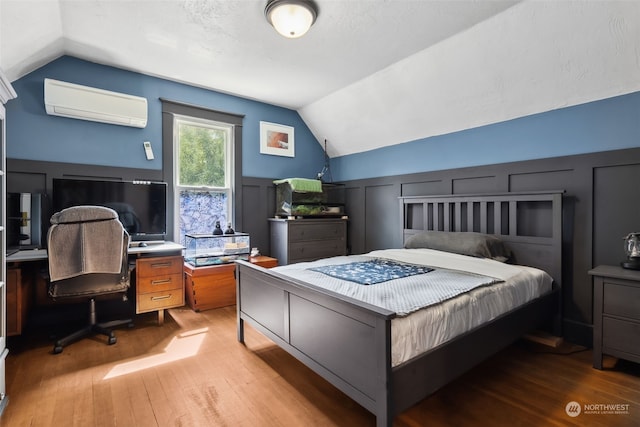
point(431, 326)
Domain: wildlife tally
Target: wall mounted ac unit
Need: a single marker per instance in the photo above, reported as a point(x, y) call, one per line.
point(87, 103)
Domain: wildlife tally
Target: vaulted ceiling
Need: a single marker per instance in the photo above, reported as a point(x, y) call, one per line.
point(369, 73)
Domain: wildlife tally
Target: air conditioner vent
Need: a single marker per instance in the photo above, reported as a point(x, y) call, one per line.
point(87, 103)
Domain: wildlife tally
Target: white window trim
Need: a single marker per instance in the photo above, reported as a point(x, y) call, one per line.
point(229, 164)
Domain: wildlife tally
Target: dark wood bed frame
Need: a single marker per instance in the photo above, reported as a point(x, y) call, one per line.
point(348, 342)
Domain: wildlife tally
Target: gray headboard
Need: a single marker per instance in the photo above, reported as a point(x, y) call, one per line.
point(529, 223)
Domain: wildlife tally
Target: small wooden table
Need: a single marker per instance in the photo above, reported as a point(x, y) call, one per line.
point(214, 286)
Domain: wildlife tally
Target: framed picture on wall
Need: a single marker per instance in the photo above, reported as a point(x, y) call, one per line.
point(277, 140)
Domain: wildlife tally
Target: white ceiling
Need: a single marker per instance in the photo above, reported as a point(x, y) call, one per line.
point(370, 73)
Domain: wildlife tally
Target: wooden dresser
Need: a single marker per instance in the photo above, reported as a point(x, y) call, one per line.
point(215, 286)
point(616, 313)
point(298, 240)
point(159, 284)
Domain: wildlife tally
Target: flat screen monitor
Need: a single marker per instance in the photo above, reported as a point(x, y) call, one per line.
point(141, 205)
point(24, 221)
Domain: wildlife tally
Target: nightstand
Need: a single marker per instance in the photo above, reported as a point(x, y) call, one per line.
point(214, 286)
point(616, 313)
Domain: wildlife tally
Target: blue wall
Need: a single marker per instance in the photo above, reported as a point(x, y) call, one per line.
point(609, 124)
point(34, 135)
point(604, 125)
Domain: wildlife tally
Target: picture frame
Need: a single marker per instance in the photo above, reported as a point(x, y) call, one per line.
point(277, 140)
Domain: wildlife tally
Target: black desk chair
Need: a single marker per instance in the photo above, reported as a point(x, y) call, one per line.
point(88, 258)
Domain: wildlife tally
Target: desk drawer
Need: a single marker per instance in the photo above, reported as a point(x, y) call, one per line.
point(162, 266)
point(159, 283)
point(160, 300)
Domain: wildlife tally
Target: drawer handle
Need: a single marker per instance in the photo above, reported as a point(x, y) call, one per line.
point(160, 298)
point(160, 281)
point(160, 264)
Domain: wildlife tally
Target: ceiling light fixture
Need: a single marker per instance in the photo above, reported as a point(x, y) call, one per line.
point(291, 18)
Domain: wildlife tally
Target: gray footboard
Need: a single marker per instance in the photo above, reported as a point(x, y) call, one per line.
point(346, 342)
point(423, 375)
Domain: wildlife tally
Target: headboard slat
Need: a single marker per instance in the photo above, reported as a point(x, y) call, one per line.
point(483, 217)
point(534, 219)
point(513, 218)
point(457, 206)
point(446, 216)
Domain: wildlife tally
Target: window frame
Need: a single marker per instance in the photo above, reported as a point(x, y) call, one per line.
point(174, 108)
point(229, 182)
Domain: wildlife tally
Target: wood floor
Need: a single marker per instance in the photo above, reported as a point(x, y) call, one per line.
point(193, 372)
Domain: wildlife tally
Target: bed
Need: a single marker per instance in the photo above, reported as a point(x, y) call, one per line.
point(350, 342)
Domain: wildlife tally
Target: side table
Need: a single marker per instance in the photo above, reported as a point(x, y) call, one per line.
point(214, 286)
point(616, 313)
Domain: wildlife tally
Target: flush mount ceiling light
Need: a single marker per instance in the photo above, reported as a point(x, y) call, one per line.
point(291, 18)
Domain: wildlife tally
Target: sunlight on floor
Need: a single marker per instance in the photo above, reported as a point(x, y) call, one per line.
point(181, 346)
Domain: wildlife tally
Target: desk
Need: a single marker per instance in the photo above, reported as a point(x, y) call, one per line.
point(150, 263)
point(21, 286)
point(153, 249)
point(28, 255)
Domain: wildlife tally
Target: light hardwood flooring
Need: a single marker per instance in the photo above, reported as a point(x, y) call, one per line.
point(193, 372)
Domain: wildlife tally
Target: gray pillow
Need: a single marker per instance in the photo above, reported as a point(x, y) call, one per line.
point(464, 243)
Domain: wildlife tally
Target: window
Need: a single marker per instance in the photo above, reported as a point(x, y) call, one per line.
point(203, 175)
point(207, 196)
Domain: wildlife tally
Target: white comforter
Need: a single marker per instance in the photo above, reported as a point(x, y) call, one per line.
point(434, 325)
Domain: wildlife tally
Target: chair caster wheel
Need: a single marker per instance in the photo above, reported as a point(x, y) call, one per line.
point(130, 325)
point(112, 340)
point(57, 349)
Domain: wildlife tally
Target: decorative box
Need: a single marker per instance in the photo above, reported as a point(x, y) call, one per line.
point(215, 249)
point(327, 203)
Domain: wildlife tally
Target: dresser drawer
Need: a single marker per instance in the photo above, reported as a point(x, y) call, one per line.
point(162, 266)
point(159, 283)
point(160, 300)
point(303, 251)
point(621, 335)
point(316, 231)
point(621, 300)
